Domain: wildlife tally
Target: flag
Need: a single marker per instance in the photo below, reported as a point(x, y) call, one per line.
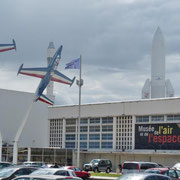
point(74, 64)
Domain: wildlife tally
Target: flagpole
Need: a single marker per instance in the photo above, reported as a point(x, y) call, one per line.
point(80, 83)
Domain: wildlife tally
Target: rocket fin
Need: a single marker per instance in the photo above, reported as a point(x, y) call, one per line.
point(169, 89)
point(146, 90)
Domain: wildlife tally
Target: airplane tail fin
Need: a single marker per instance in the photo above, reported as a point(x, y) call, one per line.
point(20, 68)
point(45, 99)
point(72, 81)
point(14, 44)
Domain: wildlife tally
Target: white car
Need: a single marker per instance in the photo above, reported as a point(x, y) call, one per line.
point(45, 177)
point(33, 163)
point(176, 166)
point(55, 171)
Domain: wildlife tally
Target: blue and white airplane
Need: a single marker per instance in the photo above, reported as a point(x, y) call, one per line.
point(47, 74)
point(8, 47)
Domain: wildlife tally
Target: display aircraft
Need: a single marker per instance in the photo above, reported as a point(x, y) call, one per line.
point(47, 74)
point(8, 47)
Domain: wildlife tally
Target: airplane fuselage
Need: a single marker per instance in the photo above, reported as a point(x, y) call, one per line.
point(46, 79)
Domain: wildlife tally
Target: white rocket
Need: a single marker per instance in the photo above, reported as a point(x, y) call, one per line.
point(158, 87)
point(50, 53)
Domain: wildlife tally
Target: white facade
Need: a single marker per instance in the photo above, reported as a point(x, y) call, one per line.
point(109, 129)
point(13, 107)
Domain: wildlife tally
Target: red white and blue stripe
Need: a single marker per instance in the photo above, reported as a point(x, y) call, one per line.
point(8, 47)
point(47, 74)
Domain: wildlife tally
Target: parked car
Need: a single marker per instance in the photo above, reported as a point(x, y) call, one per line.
point(88, 166)
point(79, 172)
point(102, 165)
point(54, 171)
point(177, 166)
point(5, 164)
point(14, 171)
point(45, 177)
point(143, 176)
point(133, 166)
point(174, 174)
point(34, 163)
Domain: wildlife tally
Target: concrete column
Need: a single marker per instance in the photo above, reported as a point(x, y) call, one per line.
point(29, 154)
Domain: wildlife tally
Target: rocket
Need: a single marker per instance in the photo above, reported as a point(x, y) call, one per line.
point(157, 87)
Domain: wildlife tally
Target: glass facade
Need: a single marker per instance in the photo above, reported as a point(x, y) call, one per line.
point(107, 120)
point(94, 145)
point(107, 145)
point(83, 136)
point(140, 119)
point(157, 118)
point(94, 137)
point(107, 136)
point(173, 117)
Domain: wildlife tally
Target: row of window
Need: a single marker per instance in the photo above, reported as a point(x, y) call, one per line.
point(159, 118)
point(92, 145)
point(105, 120)
point(91, 137)
point(91, 128)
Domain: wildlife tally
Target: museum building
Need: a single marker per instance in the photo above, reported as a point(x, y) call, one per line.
point(146, 130)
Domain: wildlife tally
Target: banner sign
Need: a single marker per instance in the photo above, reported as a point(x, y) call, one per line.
point(157, 136)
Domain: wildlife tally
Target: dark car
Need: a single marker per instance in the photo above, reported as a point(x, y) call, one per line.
point(143, 176)
point(174, 174)
point(102, 165)
point(5, 164)
point(14, 171)
point(79, 173)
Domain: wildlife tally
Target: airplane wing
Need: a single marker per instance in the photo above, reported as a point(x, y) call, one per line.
point(61, 78)
point(7, 47)
point(35, 72)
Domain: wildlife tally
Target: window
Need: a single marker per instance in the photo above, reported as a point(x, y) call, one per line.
point(62, 173)
point(70, 121)
point(94, 129)
point(94, 120)
point(71, 129)
point(147, 166)
point(142, 118)
point(157, 118)
point(173, 117)
point(107, 145)
point(94, 136)
point(70, 136)
point(83, 129)
point(84, 121)
point(94, 145)
point(70, 144)
point(83, 136)
point(107, 137)
point(107, 128)
point(151, 178)
point(106, 120)
point(83, 145)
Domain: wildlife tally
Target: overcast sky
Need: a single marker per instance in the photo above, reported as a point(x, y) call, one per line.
point(114, 38)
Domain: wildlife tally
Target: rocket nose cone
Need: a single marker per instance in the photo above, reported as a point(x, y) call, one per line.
point(158, 36)
point(158, 32)
point(51, 45)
